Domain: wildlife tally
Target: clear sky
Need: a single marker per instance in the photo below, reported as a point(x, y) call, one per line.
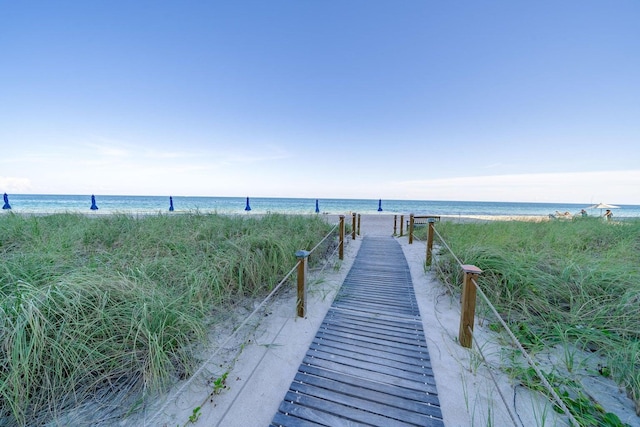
point(490, 100)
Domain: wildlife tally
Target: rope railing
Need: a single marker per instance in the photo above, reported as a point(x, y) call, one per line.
point(470, 287)
point(495, 381)
point(207, 362)
point(530, 360)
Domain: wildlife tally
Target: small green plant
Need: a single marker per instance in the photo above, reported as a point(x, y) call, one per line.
point(195, 415)
point(584, 409)
point(220, 383)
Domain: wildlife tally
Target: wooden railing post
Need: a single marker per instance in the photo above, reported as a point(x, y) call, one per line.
point(401, 225)
point(302, 281)
point(358, 224)
point(430, 241)
point(395, 224)
point(341, 234)
point(353, 227)
point(410, 229)
point(465, 334)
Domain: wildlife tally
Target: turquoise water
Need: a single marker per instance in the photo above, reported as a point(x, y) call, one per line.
point(27, 203)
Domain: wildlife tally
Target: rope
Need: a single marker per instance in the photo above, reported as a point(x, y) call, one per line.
point(331, 255)
point(495, 381)
point(220, 347)
point(447, 246)
point(325, 238)
point(244, 322)
point(531, 362)
point(529, 359)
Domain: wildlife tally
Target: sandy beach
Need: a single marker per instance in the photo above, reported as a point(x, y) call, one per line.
point(260, 361)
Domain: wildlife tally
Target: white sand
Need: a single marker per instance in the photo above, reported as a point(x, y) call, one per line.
point(270, 349)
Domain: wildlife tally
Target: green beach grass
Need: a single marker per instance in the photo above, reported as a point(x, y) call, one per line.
point(113, 307)
point(573, 284)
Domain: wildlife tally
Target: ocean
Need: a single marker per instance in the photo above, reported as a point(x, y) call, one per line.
point(46, 204)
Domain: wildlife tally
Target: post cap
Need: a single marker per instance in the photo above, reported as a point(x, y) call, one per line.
point(302, 254)
point(467, 268)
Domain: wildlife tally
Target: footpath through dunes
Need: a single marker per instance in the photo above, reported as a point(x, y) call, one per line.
point(368, 363)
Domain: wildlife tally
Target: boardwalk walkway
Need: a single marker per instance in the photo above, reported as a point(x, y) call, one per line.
point(368, 363)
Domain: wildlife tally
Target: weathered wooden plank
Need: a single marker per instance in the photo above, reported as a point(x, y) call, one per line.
point(391, 334)
point(372, 296)
point(369, 385)
point(291, 420)
point(376, 308)
point(390, 338)
point(380, 352)
point(416, 382)
point(378, 304)
point(409, 331)
point(391, 320)
point(415, 319)
point(397, 369)
point(332, 338)
point(377, 408)
point(296, 411)
point(371, 338)
point(395, 398)
point(406, 364)
point(353, 414)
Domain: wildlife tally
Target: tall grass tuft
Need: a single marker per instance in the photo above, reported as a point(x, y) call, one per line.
point(115, 305)
point(556, 281)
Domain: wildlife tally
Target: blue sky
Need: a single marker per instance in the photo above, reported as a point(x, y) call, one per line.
point(428, 100)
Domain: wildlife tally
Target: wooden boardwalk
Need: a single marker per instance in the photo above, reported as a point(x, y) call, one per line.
point(368, 363)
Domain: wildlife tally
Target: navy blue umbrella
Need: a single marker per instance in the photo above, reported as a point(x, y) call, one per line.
point(379, 205)
point(6, 202)
point(170, 204)
point(317, 207)
point(247, 208)
point(94, 207)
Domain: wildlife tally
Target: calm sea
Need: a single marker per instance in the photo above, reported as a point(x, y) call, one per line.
point(27, 203)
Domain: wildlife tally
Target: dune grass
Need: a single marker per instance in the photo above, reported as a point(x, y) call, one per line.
point(96, 307)
point(560, 283)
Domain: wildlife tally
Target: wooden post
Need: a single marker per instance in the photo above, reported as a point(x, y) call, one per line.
point(395, 224)
point(302, 281)
point(465, 334)
point(353, 227)
point(410, 229)
point(341, 244)
point(401, 225)
point(358, 224)
point(430, 241)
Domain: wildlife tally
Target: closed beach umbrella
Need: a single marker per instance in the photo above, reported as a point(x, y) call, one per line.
point(317, 207)
point(247, 208)
point(170, 204)
point(379, 205)
point(6, 202)
point(94, 207)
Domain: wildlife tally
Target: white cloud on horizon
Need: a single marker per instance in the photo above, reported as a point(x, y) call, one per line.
point(607, 186)
point(11, 184)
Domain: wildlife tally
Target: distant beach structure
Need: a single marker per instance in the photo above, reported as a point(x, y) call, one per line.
point(94, 207)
